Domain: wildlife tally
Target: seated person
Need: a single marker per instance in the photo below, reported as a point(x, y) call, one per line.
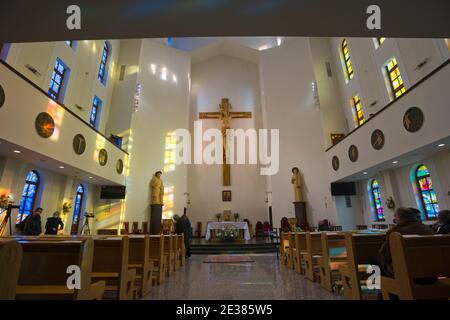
point(32, 223)
point(407, 222)
point(54, 224)
point(444, 222)
point(324, 225)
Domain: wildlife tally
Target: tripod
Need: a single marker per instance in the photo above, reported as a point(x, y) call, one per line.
point(7, 220)
point(85, 227)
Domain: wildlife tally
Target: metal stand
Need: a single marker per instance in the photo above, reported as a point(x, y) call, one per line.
point(7, 220)
point(86, 227)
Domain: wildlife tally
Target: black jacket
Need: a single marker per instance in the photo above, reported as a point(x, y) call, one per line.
point(33, 226)
point(53, 225)
point(444, 229)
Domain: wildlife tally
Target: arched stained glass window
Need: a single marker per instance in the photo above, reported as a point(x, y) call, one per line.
point(29, 195)
point(426, 192)
point(376, 198)
point(77, 210)
point(347, 61)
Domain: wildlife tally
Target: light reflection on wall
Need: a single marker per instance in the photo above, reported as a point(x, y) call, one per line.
point(169, 153)
point(164, 73)
point(169, 194)
point(57, 114)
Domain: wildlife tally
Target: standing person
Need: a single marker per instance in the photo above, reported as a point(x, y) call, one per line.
point(33, 223)
point(444, 222)
point(54, 224)
point(183, 225)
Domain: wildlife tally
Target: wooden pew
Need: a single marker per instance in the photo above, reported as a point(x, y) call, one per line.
point(360, 248)
point(10, 262)
point(313, 251)
point(416, 257)
point(183, 250)
point(285, 256)
point(158, 258)
point(43, 272)
point(110, 264)
point(333, 256)
point(168, 251)
point(139, 259)
point(300, 248)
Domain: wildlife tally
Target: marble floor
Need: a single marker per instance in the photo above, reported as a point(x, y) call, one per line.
point(262, 279)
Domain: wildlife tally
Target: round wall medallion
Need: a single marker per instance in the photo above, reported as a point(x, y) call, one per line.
point(413, 119)
point(102, 157)
point(45, 125)
point(335, 163)
point(119, 166)
point(79, 144)
point(377, 139)
point(2, 96)
point(353, 153)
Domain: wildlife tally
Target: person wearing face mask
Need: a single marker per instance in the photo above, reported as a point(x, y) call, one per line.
point(444, 222)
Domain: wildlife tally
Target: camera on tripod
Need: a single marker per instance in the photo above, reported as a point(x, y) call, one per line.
point(88, 215)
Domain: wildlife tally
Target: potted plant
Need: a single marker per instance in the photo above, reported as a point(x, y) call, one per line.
point(66, 207)
point(5, 199)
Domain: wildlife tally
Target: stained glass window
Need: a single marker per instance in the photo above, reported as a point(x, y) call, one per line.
point(427, 193)
point(347, 60)
point(57, 80)
point(28, 195)
point(95, 110)
point(358, 115)
point(77, 210)
point(69, 43)
point(377, 203)
point(104, 63)
point(395, 79)
point(380, 40)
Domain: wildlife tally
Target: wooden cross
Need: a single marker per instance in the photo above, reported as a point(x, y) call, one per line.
point(225, 115)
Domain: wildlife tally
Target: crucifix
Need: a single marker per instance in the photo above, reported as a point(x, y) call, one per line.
point(225, 115)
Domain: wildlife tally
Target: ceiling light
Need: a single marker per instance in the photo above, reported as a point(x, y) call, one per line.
point(365, 173)
point(61, 167)
point(441, 145)
point(395, 162)
point(90, 177)
point(17, 151)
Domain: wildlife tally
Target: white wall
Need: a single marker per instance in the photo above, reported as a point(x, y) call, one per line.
point(287, 73)
point(237, 80)
point(163, 108)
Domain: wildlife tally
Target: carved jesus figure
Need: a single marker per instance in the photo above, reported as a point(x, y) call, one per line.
point(297, 185)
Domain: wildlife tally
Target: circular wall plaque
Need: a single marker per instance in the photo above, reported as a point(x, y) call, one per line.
point(102, 157)
point(2, 96)
point(353, 153)
point(377, 139)
point(79, 144)
point(335, 163)
point(119, 166)
point(45, 125)
point(413, 119)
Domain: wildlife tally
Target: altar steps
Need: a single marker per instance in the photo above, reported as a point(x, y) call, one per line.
point(234, 248)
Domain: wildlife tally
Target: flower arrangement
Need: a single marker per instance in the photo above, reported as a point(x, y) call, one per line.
point(66, 207)
point(218, 215)
point(236, 216)
point(390, 203)
point(227, 233)
point(285, 226)
point(5, 199)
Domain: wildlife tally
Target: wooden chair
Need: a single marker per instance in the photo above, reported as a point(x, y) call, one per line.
point(292, 250)
point(332, 258)
point(158, 258)
point(360, 249)
point(10, 262)
point(418, 257)
point(145, 227)
point(361, 227)
point(43, 272)
point(169, 251)
point(138, 259)
point(285, 256)
point(135, 229)
point(313, 251)
point(111, 256)
point(126, 228)
point(300, 248)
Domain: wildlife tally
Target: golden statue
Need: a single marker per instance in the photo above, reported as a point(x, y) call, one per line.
point(157, 188)
point(225, 116)
point(297, 185)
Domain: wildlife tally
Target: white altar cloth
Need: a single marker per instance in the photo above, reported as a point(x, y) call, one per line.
point(216, 225)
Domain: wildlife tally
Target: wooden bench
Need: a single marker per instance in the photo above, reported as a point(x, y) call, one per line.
point(159, 259)
point(416, 257)
point(285, 256)
point(169, 251)
point(300, 248)
point(138, 259)
point(360, 249)
point(313, 251)
point(182, 249)
point(333, 256)
point(110, 263)
point(43, 271)
point(10, 261)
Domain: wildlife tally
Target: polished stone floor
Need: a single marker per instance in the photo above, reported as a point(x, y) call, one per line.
point(262, 279)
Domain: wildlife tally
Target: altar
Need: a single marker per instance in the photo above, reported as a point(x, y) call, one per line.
point(222, 225)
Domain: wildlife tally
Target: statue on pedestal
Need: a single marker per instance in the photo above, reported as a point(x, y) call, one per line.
point(157, 198)
point(299, 202)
